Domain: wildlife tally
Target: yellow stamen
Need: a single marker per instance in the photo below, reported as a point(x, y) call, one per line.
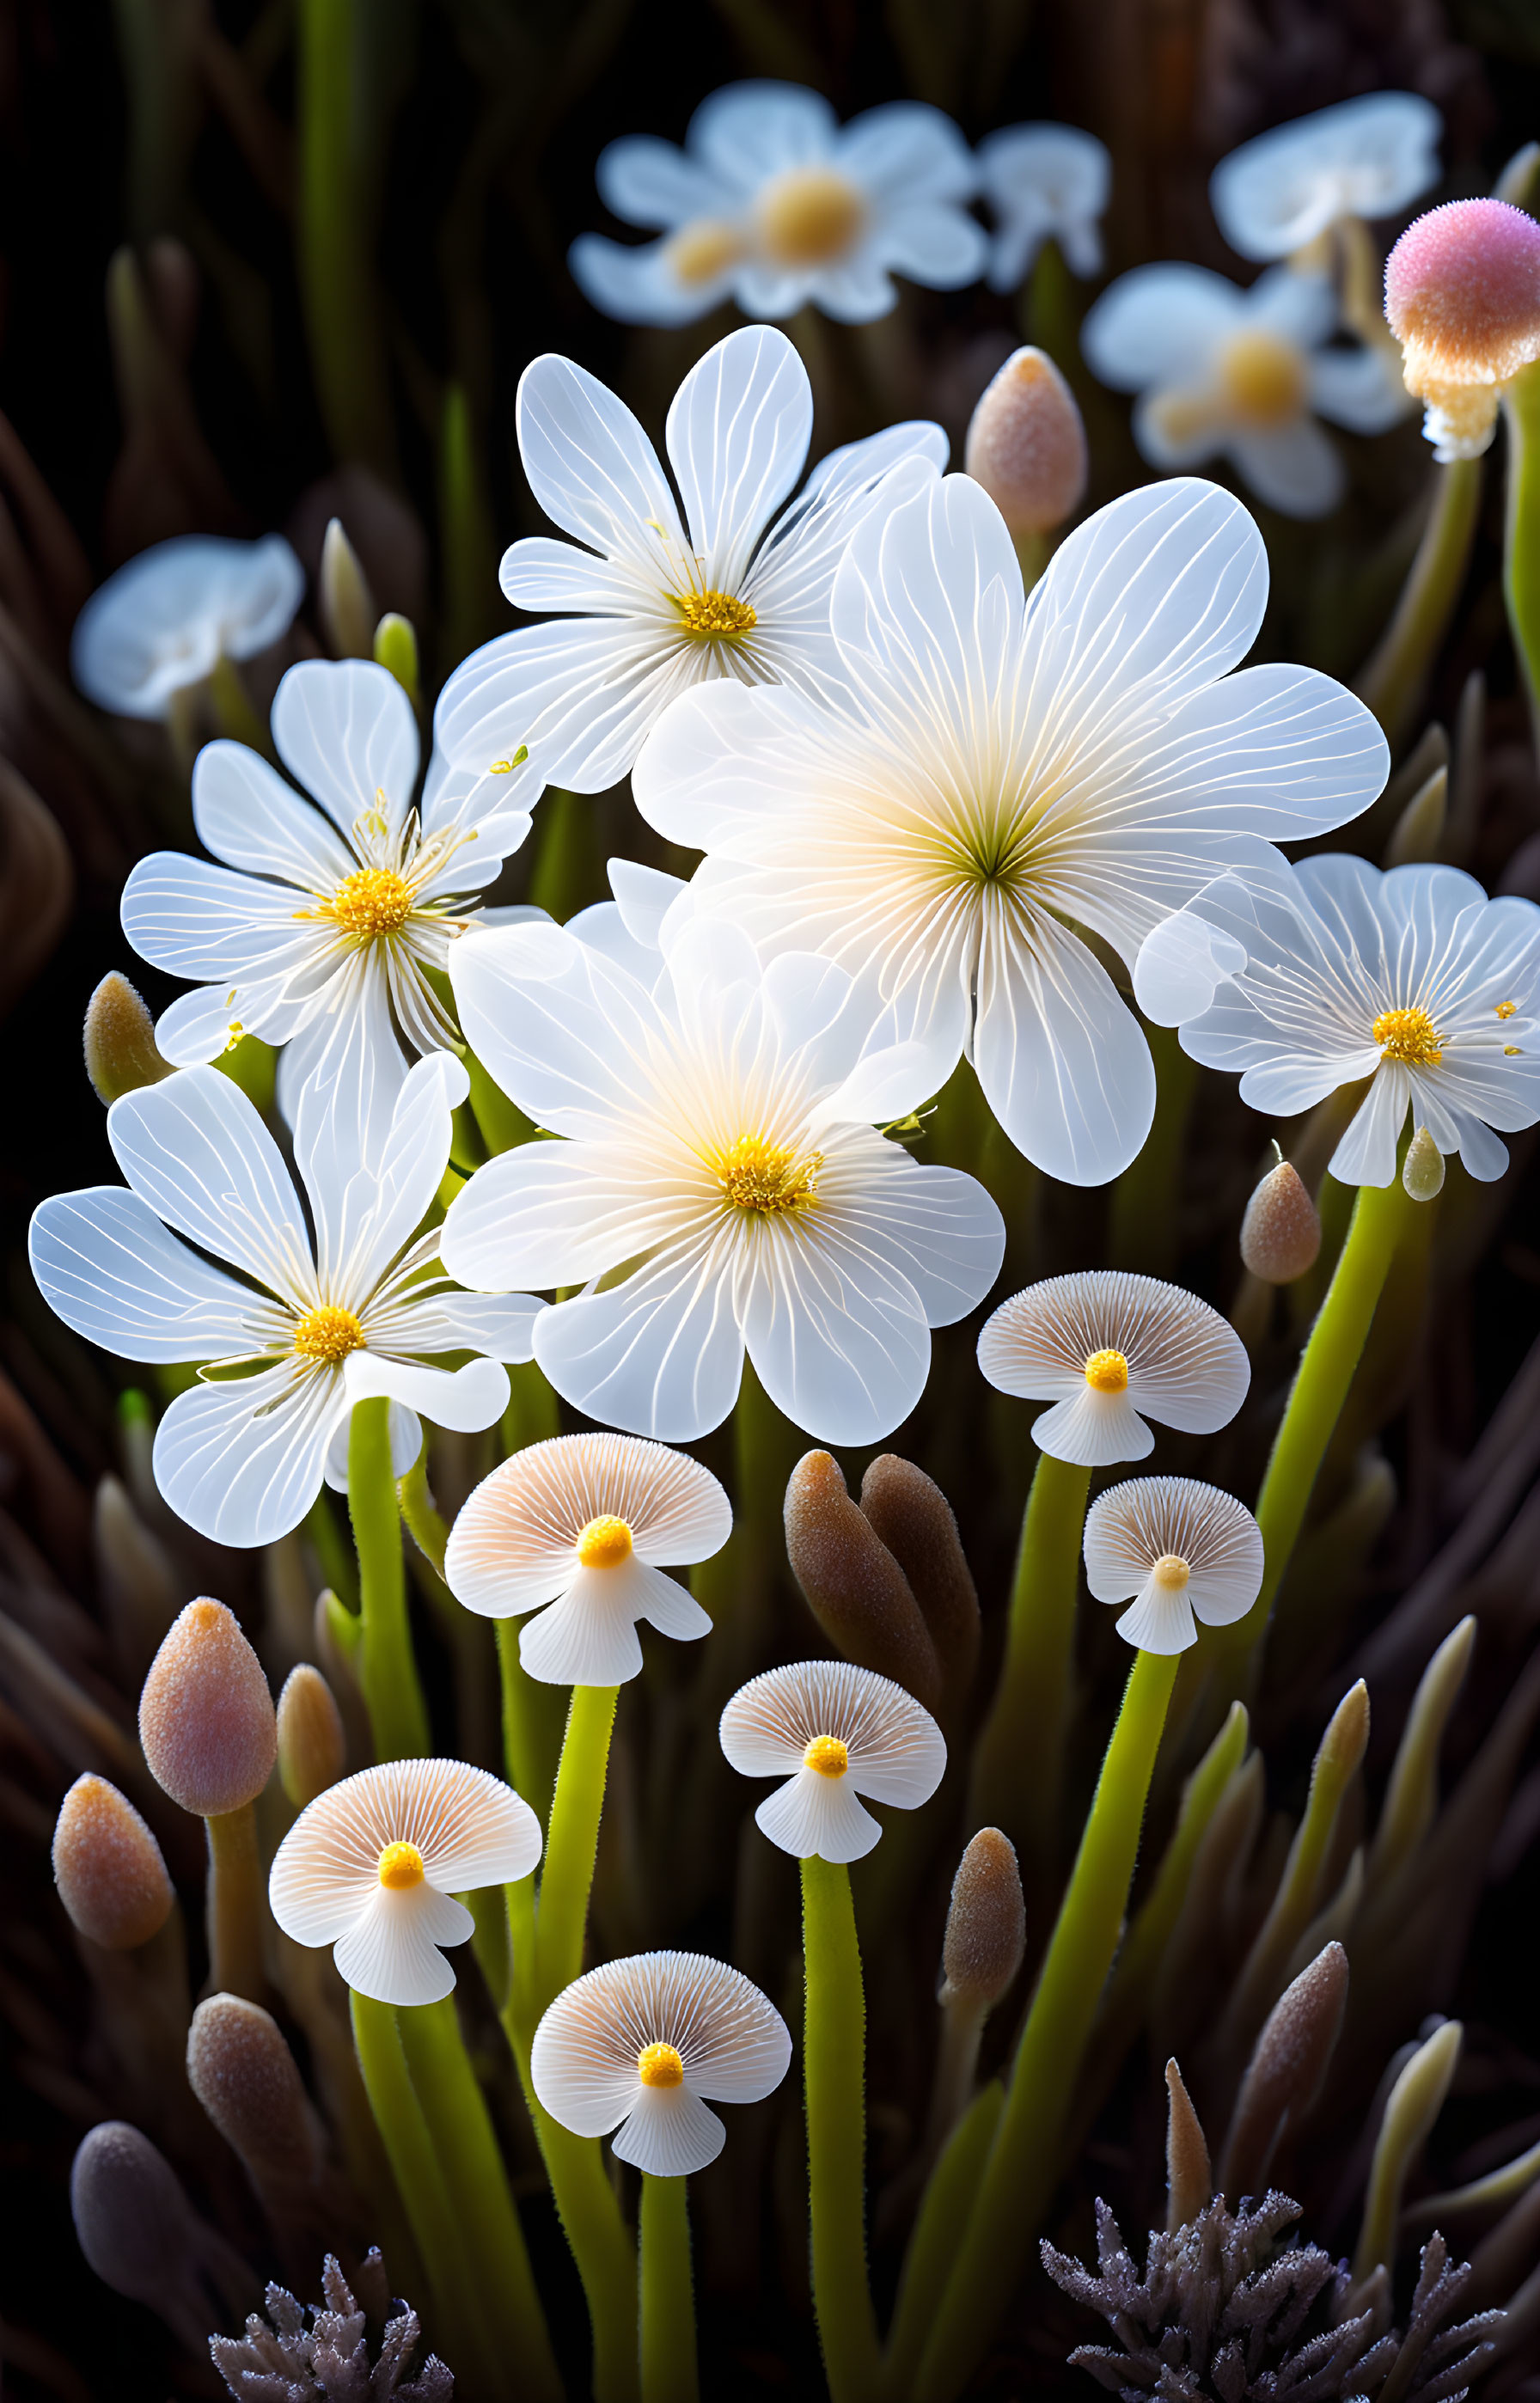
point(767, 1179)
point(827, 1755)
point(701, 252)
point(809, 215)
point(714, 617)
point(1171, 1573)
point(1506, 1009)
point(1408, 1035)
point(1107, 1372)
point(234, 1034)
point(1264, 380)
point(507, 767)
point(659, 2064)
point(371, 901)
point(1513, 1051)
point(328, 1334)
point(401, 1867)
point(604, 1543)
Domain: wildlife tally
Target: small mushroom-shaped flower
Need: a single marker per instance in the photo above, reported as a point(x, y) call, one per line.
point(1044, 183)
point(834, 1731)
point(1103, 1347)
point(584, 1523)
point(1180, 1551)
point(1463, 298)
point(373, 1866)
point(164, 621)
point(641, 2045)
point(1365, 158)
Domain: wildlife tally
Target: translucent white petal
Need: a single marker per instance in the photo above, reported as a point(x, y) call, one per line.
point(643, 895)
point(1062, 1061)
point(746, 131)
point(247, 815)
point(194, 920)
point(1159, 325)
point(462, 1399)
point(669, 2132)
point(837, 1335)
point(105, 1263)
point(197, 1150)
point(559, 1028)
point(1368, 156)
point(543, 1214)
point(404, 1429)
point(367, 1190)
point(936, 1226)
point(587, 1638)
point(672, 1610)
point(637, 283)
point(814, 1816)
point(939, 246)
point(591, 466)
point(585, 2086)
point(161, 622)
point(345, 731)
point(1366, 1153)
point(1359, 389)
point(501, 1325)
point(905, 150)
point(196, 1029)
point(392, 1951)
point(1295, 470)
point(1095, 1429)
point(652, 183)
point(241, 1460)
point(896, 1752)
point(738, 433)
point(659, 1354)
point(1159, 1621)
point(1182, 963)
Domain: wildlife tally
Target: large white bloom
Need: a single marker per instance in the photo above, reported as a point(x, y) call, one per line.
point(1000, 774)
point(654, 607)
point(164, 621)
point(319, 929)
point(1310, 978)
point(324, 1323)
point(1045, 183)
point(772, 204)
point(1241, 375)
point(1365, 158)
point(720, 1181)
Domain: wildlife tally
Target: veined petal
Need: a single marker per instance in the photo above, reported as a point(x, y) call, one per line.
point(462, 1399)
point(659, 1354)
point(341, 1139)
point(1366, 1153)
point(241, 1461)
point(580, 692)
point(815, 1817)
point(540, 573)
point(108, 1266)
point(591, 466)
point(391, 1951)
point(938, 1228)
point(211, 923)
point(195, 1150)
point(837, 1335)
point(1093, 1429)
point(499, 1325)
point(1062, 1061)
point(583, 1638)
point(345, 731)
point(246, 815)
point(738, 433)
point(669, 2132)
point(544, 1214)
point(563, 1031)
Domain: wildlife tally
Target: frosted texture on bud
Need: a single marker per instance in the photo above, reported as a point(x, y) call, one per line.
point(987, 1924)
point(108, 1867)
point(120, 1040)
point(915, 1521)
point(1281, 1232)
point(1026, 444)
point(854, 1586)
point(244, 2076)
point(311, 1746)
point(206, 1718)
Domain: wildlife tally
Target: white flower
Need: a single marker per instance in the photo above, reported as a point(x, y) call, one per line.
point(720, 1184)
point(1184, 1553)
point(1045, 183)
point(833, 1731)
point(1365, 158)
point(1103, 1346)
point(997, 768)
point(653, 608)
point(584, 1523)
point(1241, 375)
point(164, 621)
point(321, 1324)
point(319, 930)
point(1310, 978)
point(373, 1865)
point(642, 2045)
point(773, 204)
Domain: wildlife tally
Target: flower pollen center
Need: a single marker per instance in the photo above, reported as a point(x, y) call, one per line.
point(1107, 1372)
point(1171, 1573)
point(328, 1334)
point(401, 1867)
point(371, 901)
point(716, 616)
point(1408, 1035)
point(604, 1543)
point(827, 1756)
point(767, 1179)
point(1264, 379)
point(659, 2064)
point(704, 250)
point(807, 215)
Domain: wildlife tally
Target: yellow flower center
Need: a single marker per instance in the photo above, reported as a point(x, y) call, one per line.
point(401, 1867)
point(371, 901)
point(604, 1543)
point(1107, 1372)
point(701, 252)
point(1506, 1009)
point(827, 1755)
point(809, 215)
point(1264, 379)
point(1171, 1573)
point(1408, 1035)
point(659, 2064)
point(328, 1334)
point(716, 616)
point(767, 1179)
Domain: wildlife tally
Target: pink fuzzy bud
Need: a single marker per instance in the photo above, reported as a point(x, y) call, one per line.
point(206, 1718)
point(1462, 299)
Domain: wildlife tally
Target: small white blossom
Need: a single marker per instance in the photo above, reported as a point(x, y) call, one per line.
point(1183, 1554)
point(1365, 158)
point(834, 1733)
point(164, 621)
point(1045, 183)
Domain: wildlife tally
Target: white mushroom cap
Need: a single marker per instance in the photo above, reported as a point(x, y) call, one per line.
point(835, 1731)
point(584, 1523)
point(1105, 1346)
point(642, 2045)
point(1183, 1551)
point(373, 1865)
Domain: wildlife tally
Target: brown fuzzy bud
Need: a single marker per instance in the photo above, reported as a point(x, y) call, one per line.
point(1287, 2067)
point(1189, 2181)
point(852, 1585)
point(120, 1054)
point(244, 2076)
point(206, 1718)
point(311, 1746)
point(1026, 444)
point(132, 2218)
point(1281, 1232)
point(108, 1867)
point(986, 1935)
point(1423, 1169)
point(913, 1518)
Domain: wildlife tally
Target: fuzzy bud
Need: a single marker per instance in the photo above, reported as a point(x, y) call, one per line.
point(1288, 2065)
point(1190, 2180)
point(108, 1867)
point(1462, 299)
point(131, 2218)
point(986, 1936)
point(120, 1040)
point(854, 1586)
point(1281, 1232)
point(348, 613)
point(206, 1719)
point(914, 1521)
point(1423, 1169)
point(1026, 444)
point(396, 648)
point(244, 2076)
point(311, 1746)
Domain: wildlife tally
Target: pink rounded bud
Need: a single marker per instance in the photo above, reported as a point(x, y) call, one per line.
point(108, 1867)
point(1026, 444)
point(206, 1718)
point(1462, 294)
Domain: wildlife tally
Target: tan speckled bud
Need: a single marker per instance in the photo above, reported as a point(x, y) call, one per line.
point(1026, 444)
point(854, 1586)
point(244, 2076)
point(914, 1519)
point(120, 1040)
point(108, 1867)
point(986, 1925)
point(206, 1718)
point(1281, 1232)
point(312, 1745)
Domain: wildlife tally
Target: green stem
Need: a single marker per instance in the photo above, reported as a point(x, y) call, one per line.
point(834, 2073)
point(562, 877)
point(938, 2227)
point(573, 1839)
point(490, 2238)
point(531, 1732)
point(425, 1524)
point(237, 1906)
point(387, 1671)
point(1397, 670)
point(1024, 2168)
point(336, 216)
point(1018, 1760)
point(670, 2371)
point(1320, 1387)
point(337, 1565)
point(1521, 538)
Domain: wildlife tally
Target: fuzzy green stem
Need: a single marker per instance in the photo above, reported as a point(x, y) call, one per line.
point(1396, 672)
point(532, 1731)
point(1024, 2165)
point(237, 1906)
point(670, 2369)
point(939, 2225)
point(834, 2071)
point(338, 1567)
point(1019, 1763)
point(424, 1522)
point(573, 1839)
point(336, 213)
point(387, 1671)
point(1521, 540)
point(490, 2234)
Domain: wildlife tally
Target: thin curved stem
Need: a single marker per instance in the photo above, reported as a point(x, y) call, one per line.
point(1018, 1760)
point(833, 2073)
point(1394, 675)
point(237, 1906)
point(670, 2368)
point(1521, 541)
point(573, 1844)
point(387, 1671)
